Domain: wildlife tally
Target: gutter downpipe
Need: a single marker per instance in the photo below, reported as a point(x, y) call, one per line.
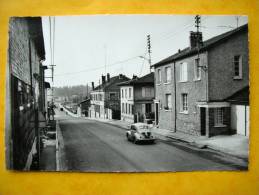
point(174, 98)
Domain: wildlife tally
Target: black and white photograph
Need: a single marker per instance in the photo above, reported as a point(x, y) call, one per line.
point(127, 93)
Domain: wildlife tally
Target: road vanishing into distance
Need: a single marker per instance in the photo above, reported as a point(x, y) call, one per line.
point(95, 146)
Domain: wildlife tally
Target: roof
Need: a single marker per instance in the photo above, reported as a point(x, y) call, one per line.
point(115, 79)
point(241, 96)
point(36, 33)
point(206, 45)
point(84, 101)
point(147, 79)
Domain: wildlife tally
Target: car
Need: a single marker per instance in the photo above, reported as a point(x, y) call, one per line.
point(139, 132)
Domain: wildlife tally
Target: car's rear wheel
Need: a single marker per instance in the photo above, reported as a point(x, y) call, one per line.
point(135, 140)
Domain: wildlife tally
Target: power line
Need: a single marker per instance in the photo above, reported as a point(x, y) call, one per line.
point(100, 67)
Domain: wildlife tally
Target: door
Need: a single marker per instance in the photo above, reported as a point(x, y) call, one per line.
point(203, 121)
point(240, 119)
point(156, 107)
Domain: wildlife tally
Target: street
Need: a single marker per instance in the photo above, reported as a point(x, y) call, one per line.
point(95, 146)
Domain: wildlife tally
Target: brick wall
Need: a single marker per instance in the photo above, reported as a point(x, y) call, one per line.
point(166, 117)
point(221, 69)
point(23, 61)
point(196, 92)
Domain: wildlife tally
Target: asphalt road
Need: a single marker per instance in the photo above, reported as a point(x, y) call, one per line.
point(95, 146)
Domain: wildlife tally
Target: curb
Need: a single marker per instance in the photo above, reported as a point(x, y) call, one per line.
point(60, 153)
point(204, 146)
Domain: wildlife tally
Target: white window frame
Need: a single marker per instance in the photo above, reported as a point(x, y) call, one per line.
point(183, 77)
point(219, 117)
point(197, 68)
point(184, 103)
point(239, 67)
point(168, 75)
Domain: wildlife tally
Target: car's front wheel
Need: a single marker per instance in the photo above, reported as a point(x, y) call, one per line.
point(128, 138)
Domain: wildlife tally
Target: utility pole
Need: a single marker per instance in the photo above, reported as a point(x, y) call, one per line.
point(52, 89)
point(149, 51)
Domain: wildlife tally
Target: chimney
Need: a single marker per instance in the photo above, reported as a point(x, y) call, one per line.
point(120, 76)
point(108, 78)
point(134, 77)
point(92, 85)
point(195, 39)
point(103, 79)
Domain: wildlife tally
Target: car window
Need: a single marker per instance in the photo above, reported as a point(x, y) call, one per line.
point(133, 127)
point(143, 127)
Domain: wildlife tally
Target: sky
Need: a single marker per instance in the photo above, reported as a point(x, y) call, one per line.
point(85, 47)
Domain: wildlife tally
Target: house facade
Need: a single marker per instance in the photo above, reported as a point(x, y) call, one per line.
point(193, 84)
point(105, 98)
point(137, 97)
point(25, 93)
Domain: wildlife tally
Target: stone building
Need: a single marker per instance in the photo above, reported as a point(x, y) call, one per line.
point(137, 97)
point(193, 84)
point(105, 98)
point(25, 92)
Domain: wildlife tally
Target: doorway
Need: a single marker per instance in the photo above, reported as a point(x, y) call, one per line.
point(157, 107)
point(203, 120)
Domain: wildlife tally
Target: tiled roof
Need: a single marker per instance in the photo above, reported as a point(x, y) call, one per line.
point(147, 79)
point(241, 96)
point(112, 81)
point(206, 45)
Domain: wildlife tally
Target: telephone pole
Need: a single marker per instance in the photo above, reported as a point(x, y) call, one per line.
point(149, 51)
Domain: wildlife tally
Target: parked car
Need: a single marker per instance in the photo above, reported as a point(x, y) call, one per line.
point(139, 132)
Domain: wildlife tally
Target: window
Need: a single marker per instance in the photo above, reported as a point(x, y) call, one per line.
point(168, 101)
point(159, 76)
point(219, 114)
point(183, 72)
point(122, 96)
point(129, 92)
point(126, 108)
point(126, 93)
point(197, 69)
point(129, 108)
point(112, 96)
point(168, 74)
point(237, 67)
point(122, 107)
point(184, 102)
point(143, 89)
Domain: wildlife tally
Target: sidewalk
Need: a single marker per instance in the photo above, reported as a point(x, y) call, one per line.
point(235, 145)
point(48, 156)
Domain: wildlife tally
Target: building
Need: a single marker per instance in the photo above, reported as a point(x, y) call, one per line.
point(240, 112)
point(137, 96)
point(25, 93)
point(105, 98)
point(193, 84)
point(83, 108)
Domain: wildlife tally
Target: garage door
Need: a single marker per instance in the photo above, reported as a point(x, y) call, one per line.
point(240, 119)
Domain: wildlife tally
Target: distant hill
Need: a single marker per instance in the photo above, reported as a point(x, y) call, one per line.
point(69, 91)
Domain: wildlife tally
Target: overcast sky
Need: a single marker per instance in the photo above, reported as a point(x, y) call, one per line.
point(84, 44)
